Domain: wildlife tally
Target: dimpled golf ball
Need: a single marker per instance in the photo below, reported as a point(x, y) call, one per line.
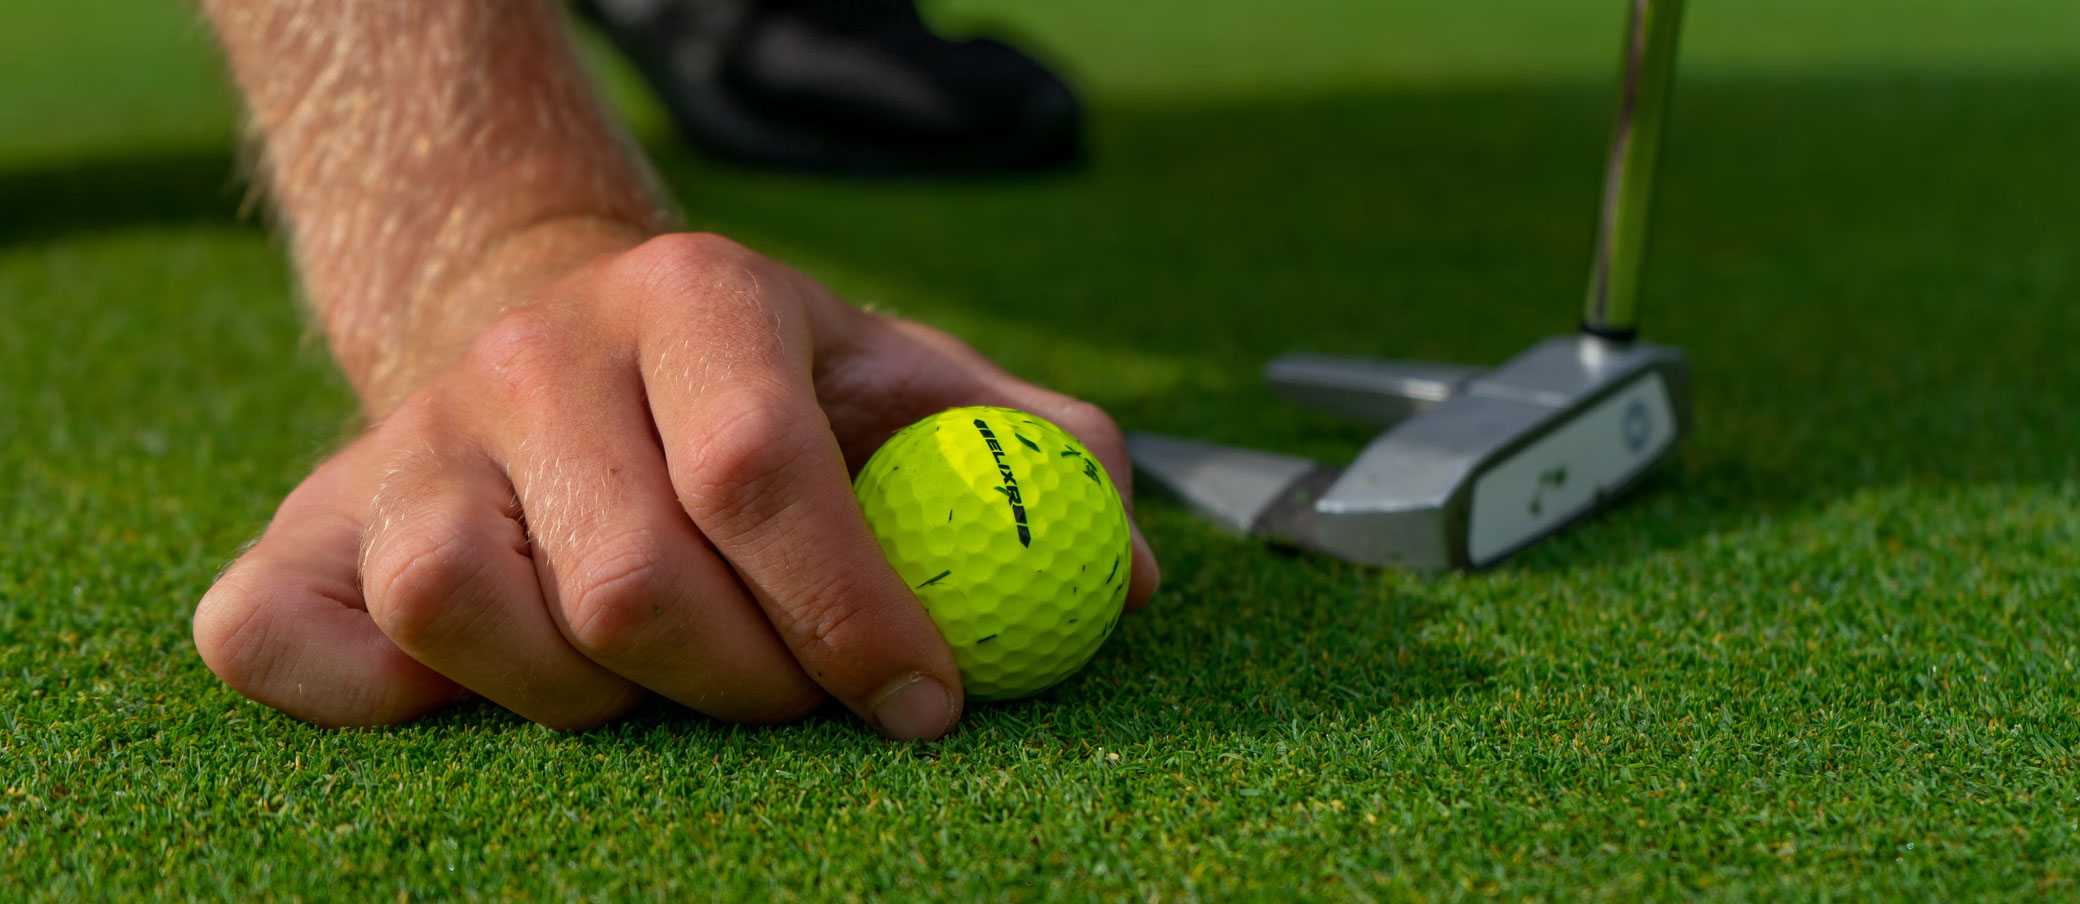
point(1011, 534)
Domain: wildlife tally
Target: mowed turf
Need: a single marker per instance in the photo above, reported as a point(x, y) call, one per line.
point(1829, 652)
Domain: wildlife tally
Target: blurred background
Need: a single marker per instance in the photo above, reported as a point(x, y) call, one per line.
point(1854, 586)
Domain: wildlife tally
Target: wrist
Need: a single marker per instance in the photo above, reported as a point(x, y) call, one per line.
point(510, 271)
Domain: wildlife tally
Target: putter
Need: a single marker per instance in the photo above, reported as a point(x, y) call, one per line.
point(1477, 464)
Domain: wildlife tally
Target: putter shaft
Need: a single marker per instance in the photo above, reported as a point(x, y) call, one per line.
point(1645, 82)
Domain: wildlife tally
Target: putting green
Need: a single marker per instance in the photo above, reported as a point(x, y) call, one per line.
point(1830, 652)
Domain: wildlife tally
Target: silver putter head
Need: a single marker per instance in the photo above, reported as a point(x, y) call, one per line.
point(1477, 465)
point(1480, 464)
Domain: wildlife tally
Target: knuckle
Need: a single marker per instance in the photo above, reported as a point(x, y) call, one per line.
point(826, 621)
point(618, 597)
point(756, 439)
point(681, 247)
point(412, 581)
point(716, 306)
point(521, 352)
point(1091, 424)
point(687, 263)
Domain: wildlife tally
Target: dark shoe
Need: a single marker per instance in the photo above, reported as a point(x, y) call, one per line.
point(855, 87)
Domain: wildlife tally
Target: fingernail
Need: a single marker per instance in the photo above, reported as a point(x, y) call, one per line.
point(912, 708)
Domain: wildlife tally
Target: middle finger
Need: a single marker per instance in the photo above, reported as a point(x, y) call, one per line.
point(631, 582)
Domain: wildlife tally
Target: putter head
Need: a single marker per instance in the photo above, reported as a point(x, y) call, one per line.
point(1481, 464)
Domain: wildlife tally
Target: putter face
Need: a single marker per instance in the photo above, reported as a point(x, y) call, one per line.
point(1514, 454)
point(1586, 458)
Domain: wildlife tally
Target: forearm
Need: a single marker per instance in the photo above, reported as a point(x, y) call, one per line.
point(424, 158)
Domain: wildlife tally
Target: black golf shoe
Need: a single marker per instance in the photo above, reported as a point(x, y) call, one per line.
point(853, 87)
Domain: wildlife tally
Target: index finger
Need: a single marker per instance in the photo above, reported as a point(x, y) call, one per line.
point(756, 466)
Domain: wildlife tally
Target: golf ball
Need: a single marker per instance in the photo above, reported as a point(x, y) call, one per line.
point(1011, 534)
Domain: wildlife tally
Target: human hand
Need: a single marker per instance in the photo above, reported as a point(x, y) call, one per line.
point(637, 482)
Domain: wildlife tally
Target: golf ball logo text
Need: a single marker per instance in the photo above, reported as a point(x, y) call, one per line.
point(1010, 483)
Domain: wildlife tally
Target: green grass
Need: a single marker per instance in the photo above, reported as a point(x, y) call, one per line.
point(1830, 653)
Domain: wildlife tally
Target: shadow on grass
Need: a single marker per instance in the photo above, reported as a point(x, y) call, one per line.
point(192, 187)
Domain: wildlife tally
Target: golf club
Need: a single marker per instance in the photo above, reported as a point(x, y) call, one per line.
point(1477, 464)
